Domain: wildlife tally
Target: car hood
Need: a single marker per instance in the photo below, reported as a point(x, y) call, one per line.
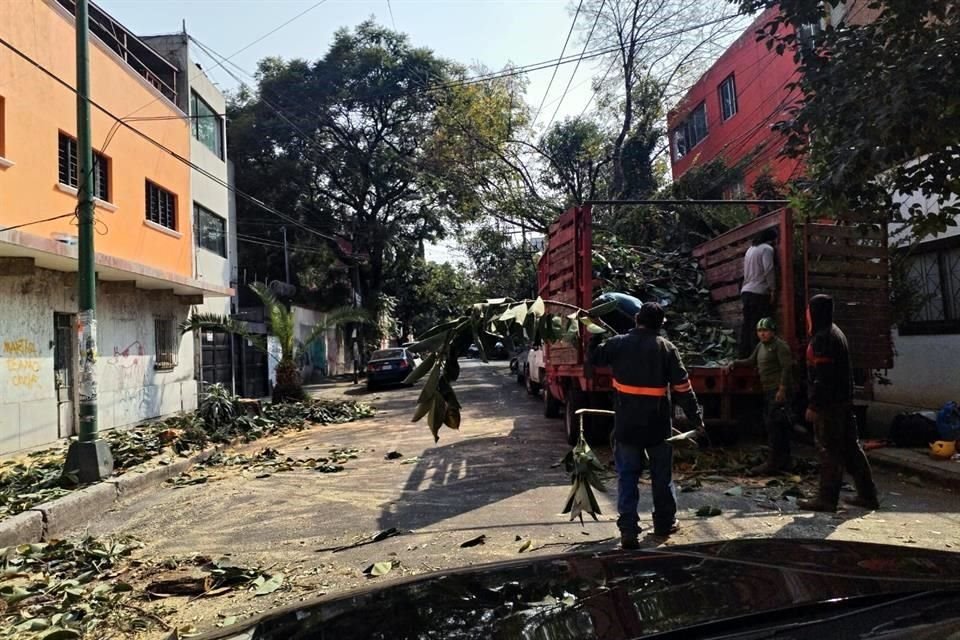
point(652, 593)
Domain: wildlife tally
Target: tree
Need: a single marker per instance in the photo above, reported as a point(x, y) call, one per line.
point(660, 46)
point(878, 118)
point(577, 156)
point(431, 293)
point(501, 265)
point(283, 327)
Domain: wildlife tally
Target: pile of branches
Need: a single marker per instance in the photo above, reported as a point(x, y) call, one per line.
point(40, 477)
point(673, 278)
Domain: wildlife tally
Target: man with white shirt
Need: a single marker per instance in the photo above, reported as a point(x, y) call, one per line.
point(759, 288)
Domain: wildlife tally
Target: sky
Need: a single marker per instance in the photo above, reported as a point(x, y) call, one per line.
point(490, 32)
point(493, 33)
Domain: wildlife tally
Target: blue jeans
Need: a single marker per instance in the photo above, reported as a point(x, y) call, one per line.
point(630, 462)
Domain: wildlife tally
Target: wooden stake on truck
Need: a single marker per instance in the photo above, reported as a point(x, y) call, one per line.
point(850, 263)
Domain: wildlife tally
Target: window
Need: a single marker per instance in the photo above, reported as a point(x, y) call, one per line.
point(211, 230)
point(161, 206)
point(934, 276)
point(691, 131)
point(69, 168)
point(207, 125)
point(728, 98)
point(165, 343)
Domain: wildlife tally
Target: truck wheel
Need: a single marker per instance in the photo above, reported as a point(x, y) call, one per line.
point(570, 418)
point(551, 406)
point(533, 388)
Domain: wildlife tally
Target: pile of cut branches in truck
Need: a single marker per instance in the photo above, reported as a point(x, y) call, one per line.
point(672, 277)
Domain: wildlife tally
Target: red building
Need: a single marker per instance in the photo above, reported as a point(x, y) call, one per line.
point(729, 113)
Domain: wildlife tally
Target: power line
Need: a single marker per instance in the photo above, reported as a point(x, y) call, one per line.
point(390, 9)
point(557, 66)
point(216, 179)
point(593, 95)
point(32, 222)
point(577, 66)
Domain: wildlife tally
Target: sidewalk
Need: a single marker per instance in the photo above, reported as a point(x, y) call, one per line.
point(919, 464)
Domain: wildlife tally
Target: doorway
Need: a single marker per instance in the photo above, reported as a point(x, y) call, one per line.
point(64, 368)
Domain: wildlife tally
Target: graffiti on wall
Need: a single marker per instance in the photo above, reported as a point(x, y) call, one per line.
point(129, 364)
point(22, 362)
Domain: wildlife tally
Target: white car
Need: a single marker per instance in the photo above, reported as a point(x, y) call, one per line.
point(533, 370)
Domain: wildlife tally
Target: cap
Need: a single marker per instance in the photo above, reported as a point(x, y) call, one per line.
point(767, 323)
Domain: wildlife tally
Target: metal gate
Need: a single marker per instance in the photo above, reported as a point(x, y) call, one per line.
point(216, 359)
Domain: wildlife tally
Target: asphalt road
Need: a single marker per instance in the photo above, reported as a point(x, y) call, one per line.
point(497, 477)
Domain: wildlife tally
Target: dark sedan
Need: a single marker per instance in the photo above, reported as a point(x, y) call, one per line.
point(746, 589)
point(389, 366)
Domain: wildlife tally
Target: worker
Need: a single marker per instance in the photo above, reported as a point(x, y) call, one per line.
point(830, 411)
point(774, 362)
point(647, 372)
point(758, 291)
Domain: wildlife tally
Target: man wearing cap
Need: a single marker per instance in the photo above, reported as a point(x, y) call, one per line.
point(647, 373)
point(774, 362)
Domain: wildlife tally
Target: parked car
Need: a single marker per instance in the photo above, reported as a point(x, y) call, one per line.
point(389, 366)
point(533, 371)
point(766, 588)
point(473, 351)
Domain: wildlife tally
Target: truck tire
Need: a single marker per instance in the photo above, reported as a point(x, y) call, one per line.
point(533, 388)
point(551, 406)
point(571, 421)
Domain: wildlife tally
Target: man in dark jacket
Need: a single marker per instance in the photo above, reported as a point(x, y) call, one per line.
point(647, 372)
point(830, 410)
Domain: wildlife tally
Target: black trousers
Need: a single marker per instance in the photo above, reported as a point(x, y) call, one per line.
point(838, 448)
point(755, 307)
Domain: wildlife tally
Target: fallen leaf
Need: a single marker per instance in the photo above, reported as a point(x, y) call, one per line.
point(228, 621)
point(378, 569)
point(708, 511)
point(392, 455)
point(525, 546)
point(472, 542)
point(734, 491)
point(269, 585)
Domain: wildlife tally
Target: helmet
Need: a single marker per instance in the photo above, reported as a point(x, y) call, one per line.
point(943, 449)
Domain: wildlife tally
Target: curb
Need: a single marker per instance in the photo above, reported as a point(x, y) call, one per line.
point(940, 477)
point(49, 520)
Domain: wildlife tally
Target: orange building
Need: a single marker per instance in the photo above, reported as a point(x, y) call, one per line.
point(144, 211)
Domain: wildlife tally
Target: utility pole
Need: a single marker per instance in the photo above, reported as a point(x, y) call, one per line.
point(286, 254)
point(89, 458)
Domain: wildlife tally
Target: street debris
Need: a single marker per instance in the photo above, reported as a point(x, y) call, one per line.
point(584, 468)
point(393, 455)
point(525, 546)
point(365, 540)
point(673, 278)
point(378, 569)
point(264, 464)
point(708, 511)
point(473, 542)
point(39, 477)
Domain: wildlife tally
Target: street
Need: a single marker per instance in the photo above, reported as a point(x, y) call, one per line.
point(498, 478)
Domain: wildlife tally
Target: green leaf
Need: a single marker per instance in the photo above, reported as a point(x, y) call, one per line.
point(441, 328)
point(33, 624)
point(592, 326)
point(378, 569)
point(430, 387)
point(228, 621)
point(538, 308)
point(421, 369)
point(433, 343)
point(452, 369)
point(436, 416)
point(603, 308)
point(270, 585)
point(520, 312)
point(422, 409)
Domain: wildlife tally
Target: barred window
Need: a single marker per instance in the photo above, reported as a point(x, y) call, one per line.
point(69, 168)
point(934, 275)
point(161, 206)
point(165, 342)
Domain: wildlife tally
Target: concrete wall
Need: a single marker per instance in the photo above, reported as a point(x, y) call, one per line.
point(130, 389)
point(332, 350)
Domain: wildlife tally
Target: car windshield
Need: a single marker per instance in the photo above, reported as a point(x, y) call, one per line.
point(387, 354)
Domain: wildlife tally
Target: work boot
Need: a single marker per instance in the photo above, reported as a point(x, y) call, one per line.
point(871, 504)
point(666, 531)
point(816, 504)
point(629, 541)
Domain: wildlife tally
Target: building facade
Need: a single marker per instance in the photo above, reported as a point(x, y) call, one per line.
point(728, 114)
point(148, 269)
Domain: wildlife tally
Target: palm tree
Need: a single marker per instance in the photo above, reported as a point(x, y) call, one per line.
point(289, 386)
